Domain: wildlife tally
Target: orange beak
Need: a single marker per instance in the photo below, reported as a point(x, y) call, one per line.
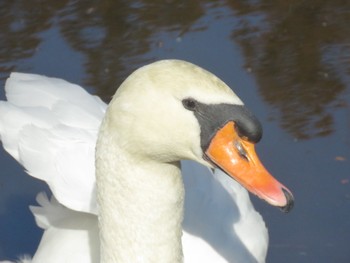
point(237, 157)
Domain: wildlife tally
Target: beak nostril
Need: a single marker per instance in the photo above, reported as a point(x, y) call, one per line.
point(241, 151)
point(290, 201)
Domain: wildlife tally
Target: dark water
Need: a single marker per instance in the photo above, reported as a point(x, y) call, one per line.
point(288, 60)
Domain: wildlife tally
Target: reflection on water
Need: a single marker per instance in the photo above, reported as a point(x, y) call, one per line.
point(21, 23)
point(112, 35)
point(276, 37)
point(294, 52)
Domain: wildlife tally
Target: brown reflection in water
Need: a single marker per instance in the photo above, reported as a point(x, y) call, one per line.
point(112, 35)
point(297, 50)
point(115, 34)
point(21, 21)
point(299, 53)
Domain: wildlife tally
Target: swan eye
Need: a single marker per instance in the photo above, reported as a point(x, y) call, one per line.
point(189, 104)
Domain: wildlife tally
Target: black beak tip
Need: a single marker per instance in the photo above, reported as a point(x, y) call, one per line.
point(290, 201)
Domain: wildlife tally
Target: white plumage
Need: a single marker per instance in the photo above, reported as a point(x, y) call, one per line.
point(50, 126)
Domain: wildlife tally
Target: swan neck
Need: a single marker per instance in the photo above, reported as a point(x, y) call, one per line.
point(140, 207)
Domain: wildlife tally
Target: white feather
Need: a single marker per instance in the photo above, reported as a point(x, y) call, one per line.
point(50, 126)
point(56, 122)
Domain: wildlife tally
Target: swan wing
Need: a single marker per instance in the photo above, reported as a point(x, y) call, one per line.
point(220, 219)
point(50, 126)
point(69, 236)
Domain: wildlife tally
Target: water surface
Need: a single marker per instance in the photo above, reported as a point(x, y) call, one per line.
point(287, 60)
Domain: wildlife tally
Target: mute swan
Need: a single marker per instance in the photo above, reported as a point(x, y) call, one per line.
point(164, 112)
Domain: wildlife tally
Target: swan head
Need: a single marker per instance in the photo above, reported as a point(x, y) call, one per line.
point(172, 110)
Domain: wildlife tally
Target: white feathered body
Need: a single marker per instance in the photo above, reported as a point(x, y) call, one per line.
point(50, 126)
